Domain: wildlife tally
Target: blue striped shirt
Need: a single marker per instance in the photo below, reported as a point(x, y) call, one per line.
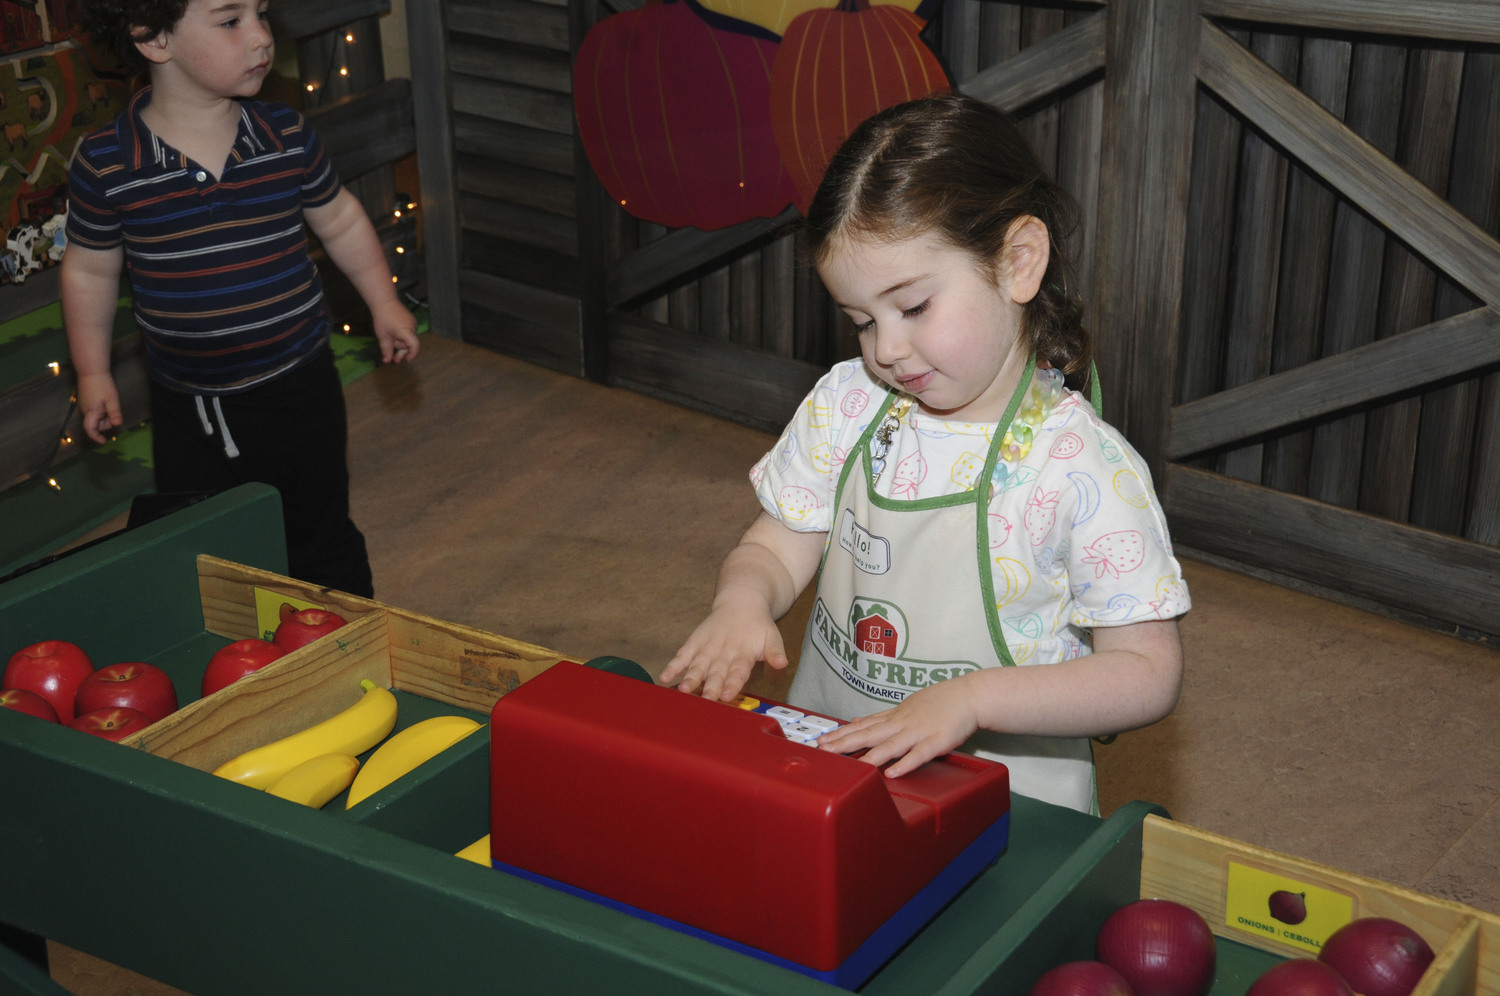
point(225, 292)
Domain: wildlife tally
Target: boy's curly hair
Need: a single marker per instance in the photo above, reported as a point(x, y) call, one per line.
point(119, 24)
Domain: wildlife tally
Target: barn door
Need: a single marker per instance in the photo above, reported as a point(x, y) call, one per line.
point(1297, 282)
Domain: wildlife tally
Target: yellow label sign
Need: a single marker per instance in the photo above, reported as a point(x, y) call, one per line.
point(272, 606)
point(1282, 909)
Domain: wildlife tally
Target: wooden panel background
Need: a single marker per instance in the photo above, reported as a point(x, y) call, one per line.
point(1287, 242)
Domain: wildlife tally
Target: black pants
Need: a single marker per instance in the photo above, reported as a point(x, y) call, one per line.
point(293, 434)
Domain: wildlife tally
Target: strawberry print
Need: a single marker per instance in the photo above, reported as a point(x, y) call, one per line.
point(1041, 515)
point(910, 473)
point(1116, 553)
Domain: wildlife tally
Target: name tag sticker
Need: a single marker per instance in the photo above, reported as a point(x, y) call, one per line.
point(1282, 909)
point(871, 553)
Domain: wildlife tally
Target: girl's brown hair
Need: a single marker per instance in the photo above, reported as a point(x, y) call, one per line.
point(956, 168)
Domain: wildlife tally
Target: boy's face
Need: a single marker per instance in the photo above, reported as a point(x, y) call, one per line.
point(222, 48)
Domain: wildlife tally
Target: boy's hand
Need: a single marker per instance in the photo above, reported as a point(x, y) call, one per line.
point(717, 659)
point(929, 722)
point(99, 404)
point(396, 331)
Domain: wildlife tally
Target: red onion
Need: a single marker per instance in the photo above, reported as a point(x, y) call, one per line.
point(1161, 947)
point(1082, 978)
point(1300, 977)
point(1288, 907)
point(1377, 956)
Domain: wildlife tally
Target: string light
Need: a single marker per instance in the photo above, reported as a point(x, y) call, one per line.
point(55, 367)
point(52, 483)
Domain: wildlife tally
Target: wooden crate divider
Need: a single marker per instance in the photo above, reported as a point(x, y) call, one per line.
point(405, 651)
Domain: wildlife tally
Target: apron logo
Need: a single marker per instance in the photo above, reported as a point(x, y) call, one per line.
point(866, 654)
point(871, 553)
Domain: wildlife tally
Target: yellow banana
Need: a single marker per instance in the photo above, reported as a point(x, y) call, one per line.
point(353, 731)
point(407, 749)
point(477, 852)
point(317, 780)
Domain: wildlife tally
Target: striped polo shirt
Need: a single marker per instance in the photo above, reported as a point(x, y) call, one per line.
point(225, 292)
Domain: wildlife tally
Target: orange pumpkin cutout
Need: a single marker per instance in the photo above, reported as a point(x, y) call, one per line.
point(834, 69)
point(674, 116)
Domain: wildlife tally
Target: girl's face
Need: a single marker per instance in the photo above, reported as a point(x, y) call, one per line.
point(932, 325)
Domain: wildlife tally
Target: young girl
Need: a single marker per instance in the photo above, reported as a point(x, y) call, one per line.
point(963, 507)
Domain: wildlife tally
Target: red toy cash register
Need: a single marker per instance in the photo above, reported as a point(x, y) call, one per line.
point(743, 831)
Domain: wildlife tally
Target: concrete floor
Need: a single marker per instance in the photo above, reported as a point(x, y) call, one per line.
point(592, 520)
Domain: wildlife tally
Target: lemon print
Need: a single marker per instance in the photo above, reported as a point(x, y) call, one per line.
point(966, 471)
point(818, 416)
point(1012, 580)
point(1171, 590)
point(1129, 487)
point(822, 458)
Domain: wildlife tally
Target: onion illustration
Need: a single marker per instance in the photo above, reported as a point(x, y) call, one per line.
point(1288, 907)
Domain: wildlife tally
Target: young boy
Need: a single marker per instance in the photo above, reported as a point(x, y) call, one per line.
point(199, 193)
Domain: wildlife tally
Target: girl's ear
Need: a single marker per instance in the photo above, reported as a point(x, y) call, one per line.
point(154, 48)
point(1027, 250)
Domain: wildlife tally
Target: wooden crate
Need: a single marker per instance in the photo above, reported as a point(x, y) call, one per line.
point(1138, 853)
point(441, 662)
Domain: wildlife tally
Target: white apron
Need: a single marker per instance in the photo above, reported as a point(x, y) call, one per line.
point(906, 599)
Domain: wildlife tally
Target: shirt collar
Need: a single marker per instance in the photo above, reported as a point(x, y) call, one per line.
point(142, 148)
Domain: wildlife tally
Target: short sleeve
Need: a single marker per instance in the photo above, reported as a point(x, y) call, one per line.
point(92, 222)
point(797, 480)
point(320, 182)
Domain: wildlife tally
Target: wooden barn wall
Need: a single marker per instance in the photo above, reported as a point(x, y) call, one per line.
point(1266, 267)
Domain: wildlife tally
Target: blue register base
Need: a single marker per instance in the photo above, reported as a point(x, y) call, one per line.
point(878, 948)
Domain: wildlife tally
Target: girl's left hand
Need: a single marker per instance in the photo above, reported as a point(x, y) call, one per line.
point(928, 723)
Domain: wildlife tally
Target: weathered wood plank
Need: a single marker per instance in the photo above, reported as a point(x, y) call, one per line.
point(1049, 65)
point(517, 185)
point(1257, 251)
point(759, 389)
point(1377, 76)
point(515, 144)
point(1449, 20)
point(1409, 286)
point(519, 224)
point(521, 105)
point(1409, 208)
point(1410, 570)
point(682, 255)
point(1425, 355)
point(520, 320)
point(521, 64)
point(1149, 115)
point(303, 19)
point(1305, 258)
point(427, 42)
point(521, 21)
point(369, 129)
point(778, 277)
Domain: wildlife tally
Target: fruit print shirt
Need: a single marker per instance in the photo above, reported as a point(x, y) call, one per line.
point(1077, 537)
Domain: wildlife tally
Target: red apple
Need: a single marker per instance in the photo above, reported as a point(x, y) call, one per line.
point(304, 626)
point(30, 703)
point(235, 661)
point(112, 724)
point(129, 685)
point(53, 669)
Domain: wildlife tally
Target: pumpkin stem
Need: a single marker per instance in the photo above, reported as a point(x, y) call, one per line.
point(853, 6)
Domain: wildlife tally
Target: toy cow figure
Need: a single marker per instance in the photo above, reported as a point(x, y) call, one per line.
point(20, 242)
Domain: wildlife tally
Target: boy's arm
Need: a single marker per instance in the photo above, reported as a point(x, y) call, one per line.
point(90, 283)
point(350, 241)
point(758, 583)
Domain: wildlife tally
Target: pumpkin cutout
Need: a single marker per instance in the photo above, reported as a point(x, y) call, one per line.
point(674, 116)
point(837, 67)
point(774, 16)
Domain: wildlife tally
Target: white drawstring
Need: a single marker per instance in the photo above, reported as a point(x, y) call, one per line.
point(230, 450)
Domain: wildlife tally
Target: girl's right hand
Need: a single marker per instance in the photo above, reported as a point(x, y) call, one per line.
point(718, 657)
point(99, 404)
